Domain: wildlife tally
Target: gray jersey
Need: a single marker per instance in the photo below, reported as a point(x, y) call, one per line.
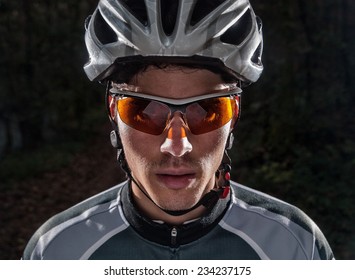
point(247, 225)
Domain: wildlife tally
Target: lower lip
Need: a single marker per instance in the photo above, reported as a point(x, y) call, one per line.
point(176, 182)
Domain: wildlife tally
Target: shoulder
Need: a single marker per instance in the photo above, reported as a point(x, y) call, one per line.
point(67, 226)
point(276, 229)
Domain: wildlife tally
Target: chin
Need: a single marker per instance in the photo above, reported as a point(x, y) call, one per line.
point(182, 203)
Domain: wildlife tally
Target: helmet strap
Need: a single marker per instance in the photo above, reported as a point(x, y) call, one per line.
point(223, 176)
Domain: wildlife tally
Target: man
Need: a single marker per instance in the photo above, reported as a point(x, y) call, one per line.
point(174, 72)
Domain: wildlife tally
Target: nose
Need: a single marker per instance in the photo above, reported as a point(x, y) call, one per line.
point(176, 142)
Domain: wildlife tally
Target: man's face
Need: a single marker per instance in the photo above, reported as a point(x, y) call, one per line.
point(174, 171)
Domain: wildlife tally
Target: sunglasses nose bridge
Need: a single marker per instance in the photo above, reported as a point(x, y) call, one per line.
point(176, 111)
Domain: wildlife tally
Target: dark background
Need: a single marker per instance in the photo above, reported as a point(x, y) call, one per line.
point(295, 139)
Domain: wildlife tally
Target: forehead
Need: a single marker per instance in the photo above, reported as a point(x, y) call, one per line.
point(176, 81)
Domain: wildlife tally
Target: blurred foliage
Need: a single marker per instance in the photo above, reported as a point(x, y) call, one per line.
point(45, 97)
point(21, 166)
point(296, 136)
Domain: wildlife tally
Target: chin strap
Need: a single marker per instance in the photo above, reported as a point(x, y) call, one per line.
point(209, 200)
point(223, 176)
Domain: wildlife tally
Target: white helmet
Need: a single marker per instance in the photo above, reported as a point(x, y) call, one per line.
point(221, 33)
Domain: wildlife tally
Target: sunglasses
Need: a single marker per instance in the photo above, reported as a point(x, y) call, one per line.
point(151, 114)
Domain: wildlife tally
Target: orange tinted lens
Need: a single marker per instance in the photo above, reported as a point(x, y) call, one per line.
point(210, 114)
point(152, 116)
point(144, 115)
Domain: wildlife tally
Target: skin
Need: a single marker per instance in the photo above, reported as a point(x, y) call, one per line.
point(175, 173)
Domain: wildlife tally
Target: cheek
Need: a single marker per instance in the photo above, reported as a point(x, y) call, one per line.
point(138, 147)
point(214, 141)
point(130, 138)
point(209, 148)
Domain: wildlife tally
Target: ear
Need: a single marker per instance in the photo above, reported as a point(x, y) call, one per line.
point(236, 112)
point(111, 102)
point(230, 140)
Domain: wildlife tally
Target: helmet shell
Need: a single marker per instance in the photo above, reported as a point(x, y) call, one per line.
point(228, 36)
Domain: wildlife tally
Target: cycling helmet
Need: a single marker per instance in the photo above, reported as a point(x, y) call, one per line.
point(221, 33)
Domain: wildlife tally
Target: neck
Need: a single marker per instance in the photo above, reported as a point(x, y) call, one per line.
point(151, 210)
point(161, 232)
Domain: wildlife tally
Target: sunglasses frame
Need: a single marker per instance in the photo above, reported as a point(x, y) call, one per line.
point(180, 105)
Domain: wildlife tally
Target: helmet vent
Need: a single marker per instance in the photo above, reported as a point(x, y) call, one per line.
point(256, 58)
point(237, 33)
point(203, 8)
point(168, 12)
point(103, 31)
point(137, 8)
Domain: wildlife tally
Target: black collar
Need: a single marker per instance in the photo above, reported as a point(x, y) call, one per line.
point(166, 234)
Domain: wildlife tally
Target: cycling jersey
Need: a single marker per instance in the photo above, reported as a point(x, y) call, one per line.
point(247, 225)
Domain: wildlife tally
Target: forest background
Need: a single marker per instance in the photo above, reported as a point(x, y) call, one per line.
point(295, 139)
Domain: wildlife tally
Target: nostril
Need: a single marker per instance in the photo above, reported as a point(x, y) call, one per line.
point(175, 133)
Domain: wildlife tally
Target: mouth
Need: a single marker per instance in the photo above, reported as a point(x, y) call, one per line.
point(176, 180)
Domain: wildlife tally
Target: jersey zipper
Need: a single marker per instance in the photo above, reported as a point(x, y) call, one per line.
point(173, 235)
